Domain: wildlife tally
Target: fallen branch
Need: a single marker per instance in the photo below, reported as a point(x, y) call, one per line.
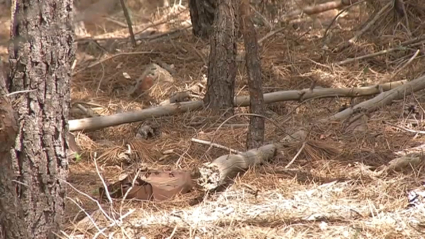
point(200, 141)
point(349, 60)
point(311, 10)
point(369, 24)
point(240, 101)
point(382, 99)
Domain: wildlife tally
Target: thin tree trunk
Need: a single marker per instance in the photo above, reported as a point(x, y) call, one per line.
point(40, 54)
point(255, 137)
point(222, 64)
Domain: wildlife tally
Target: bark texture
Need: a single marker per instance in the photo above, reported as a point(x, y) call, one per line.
point(222, 63)
point(255, 137)
point(39, 55)
point(202, 16)
point(11, 214)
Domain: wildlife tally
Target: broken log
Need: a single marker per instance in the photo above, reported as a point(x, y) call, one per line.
point(221, 172)
point(240, 101)
point(224, 169)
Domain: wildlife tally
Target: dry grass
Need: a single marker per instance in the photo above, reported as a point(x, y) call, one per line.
point(330, 190)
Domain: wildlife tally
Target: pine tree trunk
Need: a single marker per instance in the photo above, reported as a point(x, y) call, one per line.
point(202, 16)
point(222, 64)
point(40, 55)
point(11, 218)
point(255, 136)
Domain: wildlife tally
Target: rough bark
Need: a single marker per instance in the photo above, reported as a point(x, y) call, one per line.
point(202, 16)
point(222, 63)
point(40, 54)
point(255, 136)
point(11, 217)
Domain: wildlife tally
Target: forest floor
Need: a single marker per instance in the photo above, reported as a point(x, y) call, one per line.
point(329, 196)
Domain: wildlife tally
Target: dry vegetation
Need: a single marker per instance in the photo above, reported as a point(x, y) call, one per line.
point(338, 194)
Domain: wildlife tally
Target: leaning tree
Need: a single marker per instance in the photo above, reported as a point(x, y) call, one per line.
point(34, 105)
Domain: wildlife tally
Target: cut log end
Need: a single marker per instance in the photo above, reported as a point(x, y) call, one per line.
point(225, 168)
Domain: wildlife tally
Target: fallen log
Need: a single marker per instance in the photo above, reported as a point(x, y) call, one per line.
point(224, 169)
point(240, 101)
point(220, 172)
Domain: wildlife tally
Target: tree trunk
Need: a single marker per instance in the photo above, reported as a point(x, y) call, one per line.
point(202, 16)
point(12, 219)
point(40, 55)
point(255, 137)
point(222, 63)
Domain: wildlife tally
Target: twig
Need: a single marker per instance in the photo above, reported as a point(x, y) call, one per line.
point(296, 156)
point(101, 79)
point(401, 47)
point(349, 60)
point(407, 63)
point(119, 220)
point(128, 191)
point(91, 199)
point(215, 145)
point(270, 34)
point(130, 25)
point(336, 17)
point(406, 129)
point(103, 181)
point(88, 215)
point(248, 114)
point(173, 232)
point(160, 23)
point(19, 92)
point(369, 24)
point(121, 24)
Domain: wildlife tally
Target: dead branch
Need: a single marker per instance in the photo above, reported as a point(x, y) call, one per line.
point(401, 47)
point(369, 24)
point(354, 39)
point(200, 141)
point(382, 99)
point(241, 101)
